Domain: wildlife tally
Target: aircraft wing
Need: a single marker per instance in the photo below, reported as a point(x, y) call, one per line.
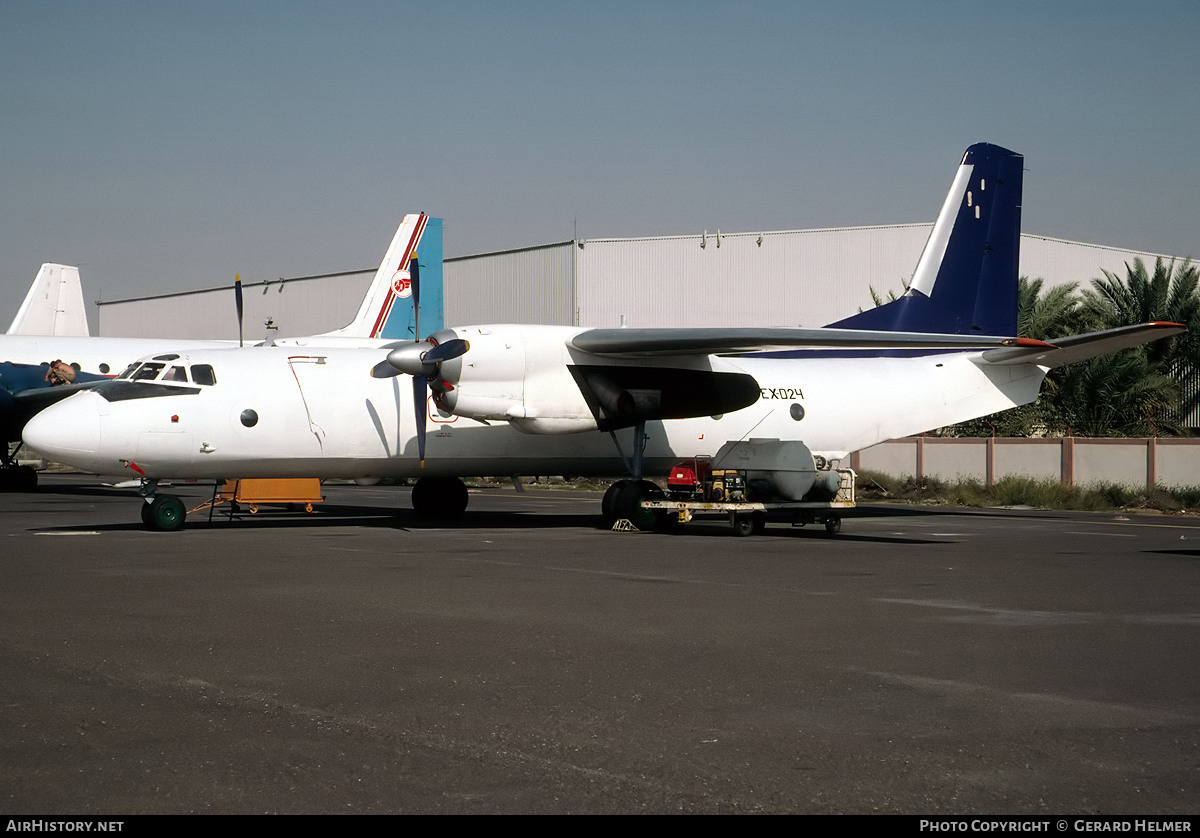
point(1081, 347)
point(18, 407)
point(636, 343)
point(34, 399)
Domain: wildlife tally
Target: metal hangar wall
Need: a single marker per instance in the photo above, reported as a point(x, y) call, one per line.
point(780, 278)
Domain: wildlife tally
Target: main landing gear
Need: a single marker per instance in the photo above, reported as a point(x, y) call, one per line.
point(623, 500)
point(439, 498)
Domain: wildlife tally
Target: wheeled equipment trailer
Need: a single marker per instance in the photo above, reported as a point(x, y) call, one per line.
point(750, 517)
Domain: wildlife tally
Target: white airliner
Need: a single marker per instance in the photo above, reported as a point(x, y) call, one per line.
point(519, 399)
point(108, 356)
point(47, 328)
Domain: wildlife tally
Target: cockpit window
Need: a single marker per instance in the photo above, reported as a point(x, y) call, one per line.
point(147, 372)
point(203, 374)
point(178, 373)
point(120, 391)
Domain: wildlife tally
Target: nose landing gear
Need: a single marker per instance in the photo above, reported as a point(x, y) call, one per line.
point(161, 513)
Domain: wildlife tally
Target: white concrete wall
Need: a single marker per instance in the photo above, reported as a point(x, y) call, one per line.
point(1124, 462)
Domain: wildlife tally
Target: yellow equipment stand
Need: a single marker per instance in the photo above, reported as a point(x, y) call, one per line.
point(258, 491)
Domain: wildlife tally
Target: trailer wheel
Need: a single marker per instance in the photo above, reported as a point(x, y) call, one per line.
point(759, 521)
point(833, 525)
point(742, 524)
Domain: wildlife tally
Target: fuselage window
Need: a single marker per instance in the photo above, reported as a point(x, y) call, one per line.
point(203, 374)
point(175, 374)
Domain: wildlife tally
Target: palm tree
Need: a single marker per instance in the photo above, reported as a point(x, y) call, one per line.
point(1112, 395)
point(1044, 317)
point(1125, 394)
point(1171, 293)
point(1135, 392)
point(1048, 316)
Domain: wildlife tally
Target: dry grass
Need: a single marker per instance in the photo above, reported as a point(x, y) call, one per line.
point(1026, 491)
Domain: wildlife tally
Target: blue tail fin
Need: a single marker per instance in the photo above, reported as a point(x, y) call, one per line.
point(966, 278)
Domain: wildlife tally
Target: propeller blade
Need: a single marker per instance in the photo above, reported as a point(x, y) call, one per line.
point(384, 370)
point(447, 351)
point(414, 270)
point(420, 394)
point(237, 296)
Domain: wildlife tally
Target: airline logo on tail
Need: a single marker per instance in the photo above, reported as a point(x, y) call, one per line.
point(402, 284)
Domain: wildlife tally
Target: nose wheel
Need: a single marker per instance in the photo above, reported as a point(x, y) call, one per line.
point(161, 513)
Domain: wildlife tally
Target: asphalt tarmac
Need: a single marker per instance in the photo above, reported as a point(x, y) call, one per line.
point(924, 661)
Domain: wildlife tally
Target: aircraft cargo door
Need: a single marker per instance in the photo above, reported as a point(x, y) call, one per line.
point(310, 372)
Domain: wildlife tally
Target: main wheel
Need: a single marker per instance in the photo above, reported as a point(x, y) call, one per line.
point(166, 513)
point(628, 503)
point(608, 506)
point(439, 498)
point(833, 525)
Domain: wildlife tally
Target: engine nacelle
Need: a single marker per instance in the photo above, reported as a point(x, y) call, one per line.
point(533, 377)
point(516, 374)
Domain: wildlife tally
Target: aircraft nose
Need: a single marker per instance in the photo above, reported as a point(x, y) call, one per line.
point(67, 432)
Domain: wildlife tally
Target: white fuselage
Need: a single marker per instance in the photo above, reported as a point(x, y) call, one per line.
point(296, 412)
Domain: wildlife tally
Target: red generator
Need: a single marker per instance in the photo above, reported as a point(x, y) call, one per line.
point(686, 480)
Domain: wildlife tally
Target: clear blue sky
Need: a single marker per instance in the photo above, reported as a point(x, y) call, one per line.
point(164, 146)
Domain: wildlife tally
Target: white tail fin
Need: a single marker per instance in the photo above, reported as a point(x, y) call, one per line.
point(53, 306)
point(392, 281)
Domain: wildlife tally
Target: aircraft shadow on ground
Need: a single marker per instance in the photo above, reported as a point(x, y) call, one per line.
point(372, 517)
point(401, 517)
point(1183, 554)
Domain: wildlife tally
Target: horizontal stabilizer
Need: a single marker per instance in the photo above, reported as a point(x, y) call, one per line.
point(1081, 347)
point(713, 341)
